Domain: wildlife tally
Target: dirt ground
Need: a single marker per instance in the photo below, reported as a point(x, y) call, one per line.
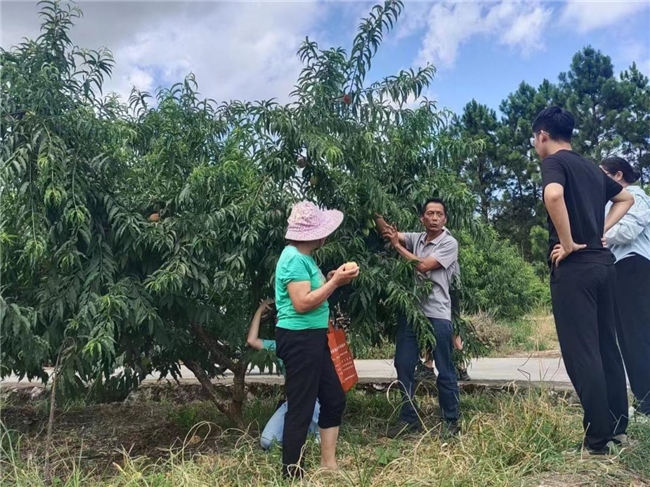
point(152, 422)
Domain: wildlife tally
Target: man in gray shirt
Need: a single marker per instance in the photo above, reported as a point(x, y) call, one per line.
point(436, 253)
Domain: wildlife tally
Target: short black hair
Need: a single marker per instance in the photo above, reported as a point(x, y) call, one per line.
point(615, 164)
point(423, 209)
point(555, 121)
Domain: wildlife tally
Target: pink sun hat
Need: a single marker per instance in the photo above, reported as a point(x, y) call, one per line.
point(307, 222)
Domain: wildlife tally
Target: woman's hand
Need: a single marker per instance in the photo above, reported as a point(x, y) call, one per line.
point(265, 304)
point(341, 277)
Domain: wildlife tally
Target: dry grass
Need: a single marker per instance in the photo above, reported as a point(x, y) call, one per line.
point(533, 335)
point(543, 335)
point(508, 439)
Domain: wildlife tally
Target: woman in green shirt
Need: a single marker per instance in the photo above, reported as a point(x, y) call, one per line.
point(301, 293)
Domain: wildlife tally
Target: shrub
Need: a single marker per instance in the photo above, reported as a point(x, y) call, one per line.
point(497, 278)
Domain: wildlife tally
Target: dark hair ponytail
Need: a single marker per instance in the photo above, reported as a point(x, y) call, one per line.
point(615, 164)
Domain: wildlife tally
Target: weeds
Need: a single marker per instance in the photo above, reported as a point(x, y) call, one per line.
point(508, 439)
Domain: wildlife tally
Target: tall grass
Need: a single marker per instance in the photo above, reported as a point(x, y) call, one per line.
point(508, 439)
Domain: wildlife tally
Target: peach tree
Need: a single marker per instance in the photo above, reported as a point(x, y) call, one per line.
point(138, 237)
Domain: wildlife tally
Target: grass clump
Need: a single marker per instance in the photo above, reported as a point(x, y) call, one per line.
point(508, 439)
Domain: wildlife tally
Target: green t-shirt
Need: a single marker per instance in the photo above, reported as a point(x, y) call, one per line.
point(295, 266)
point(270, 346)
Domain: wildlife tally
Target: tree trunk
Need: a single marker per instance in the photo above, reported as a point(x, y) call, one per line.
point(233, 412)
point(235, 409)
point(238, 393)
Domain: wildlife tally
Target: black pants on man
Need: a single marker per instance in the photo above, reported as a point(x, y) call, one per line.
point(584, 307)
point(310, 374)
point(633, 329)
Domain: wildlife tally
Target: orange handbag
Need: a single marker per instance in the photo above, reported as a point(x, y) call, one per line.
point(342, 358)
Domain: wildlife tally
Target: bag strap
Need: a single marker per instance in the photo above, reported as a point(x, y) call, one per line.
point(330, 326)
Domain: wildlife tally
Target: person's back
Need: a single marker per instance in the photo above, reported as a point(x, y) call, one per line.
point(583, 275)
point(586, 192)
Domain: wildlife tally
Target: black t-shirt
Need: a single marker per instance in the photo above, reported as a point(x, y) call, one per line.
point(587, 189)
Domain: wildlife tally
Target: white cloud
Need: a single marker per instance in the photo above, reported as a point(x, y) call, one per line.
point(526, 29)
point(588, 15)
point(517, 24)
point(237, 50)
point(631, 50)
point(413, 19)
point(412, 103)
point(140, 79)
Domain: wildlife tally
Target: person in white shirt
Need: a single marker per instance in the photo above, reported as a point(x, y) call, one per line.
point(629, 241)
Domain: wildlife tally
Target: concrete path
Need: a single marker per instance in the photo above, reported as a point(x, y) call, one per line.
point(484, 370)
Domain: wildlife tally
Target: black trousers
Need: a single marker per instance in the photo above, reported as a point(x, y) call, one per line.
point(633, 328)
point(310, 374)
point(584, 307)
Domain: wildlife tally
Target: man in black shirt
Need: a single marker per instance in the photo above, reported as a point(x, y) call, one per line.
point(583, 277)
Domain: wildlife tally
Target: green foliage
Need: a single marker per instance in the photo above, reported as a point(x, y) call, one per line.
point(634, 121)
point(612, 117)
point(591, 92)
point(539, 243)
point(148, 233)
point(497, 278)
point(481, 171)
point(60, 275)
point(539, 250)
point(520, 206)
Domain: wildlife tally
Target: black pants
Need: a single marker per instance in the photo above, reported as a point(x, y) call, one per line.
point(633, 329)
point(310, 375)
point(584, 301)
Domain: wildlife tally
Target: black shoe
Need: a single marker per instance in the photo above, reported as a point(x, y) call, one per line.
point(462, 375)
point(424, 373)
point(449, 430)
point(403, 428)
point(612, 449)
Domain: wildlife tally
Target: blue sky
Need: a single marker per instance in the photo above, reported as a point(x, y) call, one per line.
point(487, 69)
point(246, 49)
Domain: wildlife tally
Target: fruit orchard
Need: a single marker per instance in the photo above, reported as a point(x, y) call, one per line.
point(139, 235)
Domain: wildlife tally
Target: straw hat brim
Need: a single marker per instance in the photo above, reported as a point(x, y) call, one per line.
point(332, 220)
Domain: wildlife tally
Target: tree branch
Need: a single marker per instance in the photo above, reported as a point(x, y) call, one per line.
point(209, 343)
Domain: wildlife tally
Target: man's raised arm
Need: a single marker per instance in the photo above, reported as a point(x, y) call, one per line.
point(384, 229)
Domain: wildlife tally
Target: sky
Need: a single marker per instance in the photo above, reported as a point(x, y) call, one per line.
point(246, 50)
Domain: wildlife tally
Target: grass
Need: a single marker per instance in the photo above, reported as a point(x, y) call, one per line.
point(384, 350)
point(508, 439)
point(532, 335)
